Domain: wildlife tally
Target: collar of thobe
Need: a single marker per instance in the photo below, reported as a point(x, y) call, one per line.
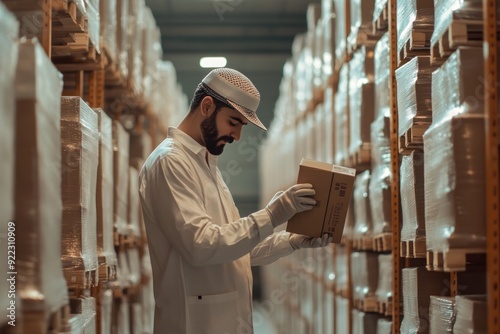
point(191, 144)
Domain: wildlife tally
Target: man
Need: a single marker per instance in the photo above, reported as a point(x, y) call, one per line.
point(201, 250)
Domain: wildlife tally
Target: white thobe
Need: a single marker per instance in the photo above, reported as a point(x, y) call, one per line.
point(201, 250)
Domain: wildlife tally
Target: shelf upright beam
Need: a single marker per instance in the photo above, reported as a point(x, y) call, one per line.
point(47, 26)
point(492, 165)
point(394, 140)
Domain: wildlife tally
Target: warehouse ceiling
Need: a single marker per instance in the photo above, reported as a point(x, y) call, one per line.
point(236, 26)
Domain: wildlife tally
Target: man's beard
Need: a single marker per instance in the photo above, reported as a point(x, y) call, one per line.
point(210, 133)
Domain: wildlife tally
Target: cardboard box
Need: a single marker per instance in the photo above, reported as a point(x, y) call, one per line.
point(333, 185)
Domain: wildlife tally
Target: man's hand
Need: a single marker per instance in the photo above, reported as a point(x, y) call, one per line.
point(295, 199)
point(301, 241)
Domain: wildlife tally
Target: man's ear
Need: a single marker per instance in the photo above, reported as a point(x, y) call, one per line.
point(207, 106)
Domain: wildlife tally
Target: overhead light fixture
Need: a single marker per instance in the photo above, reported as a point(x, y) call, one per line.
point(213, 62)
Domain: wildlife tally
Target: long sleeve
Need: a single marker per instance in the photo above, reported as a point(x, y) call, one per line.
point(173, 196)
point(272, 248)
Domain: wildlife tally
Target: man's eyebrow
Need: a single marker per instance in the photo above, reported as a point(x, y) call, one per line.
point(238, 120)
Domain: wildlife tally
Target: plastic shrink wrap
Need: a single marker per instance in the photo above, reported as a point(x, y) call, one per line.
point(342, 118)
point(341, 315)
point(328, 142)
point(361, 102)
point(108, 26)
point(415, 17)
point(364, 323)
point(134, 227)
point(84, 314)
point(364, 274)
point(122, 41)
point(471, 314)
point(441, 314)
point(384, 286)
point(414, 95)
point(38, 212)
point(134, 35)
point(140, 147)
point(413, 201)
point(418, 285)
point(363, 224)
point(380, 182)
point(121, 144)
point(340, 32)
point(104, 198)
point(9, 28)
point(446, 11)
point(94, 22)
point(340, 270)
point(361, 23)
point(79, 161)
point(454, 156)
point(106, 311)
point(380, 10)
point(382, 65)
point(384, 326)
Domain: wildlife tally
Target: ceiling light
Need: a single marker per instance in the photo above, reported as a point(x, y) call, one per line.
point(213, 62)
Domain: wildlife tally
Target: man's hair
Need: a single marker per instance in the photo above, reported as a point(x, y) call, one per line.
point(202, 91)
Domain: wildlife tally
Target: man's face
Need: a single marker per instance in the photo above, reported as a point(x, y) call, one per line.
point(222, 127)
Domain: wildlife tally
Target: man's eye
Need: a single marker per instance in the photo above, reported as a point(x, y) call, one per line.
point(232, 124)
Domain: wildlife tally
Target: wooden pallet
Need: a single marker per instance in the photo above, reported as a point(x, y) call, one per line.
point(363, 38)
point(361, 158)
point(454, 259)
point(107, 273)
point(80, 279)
point(37, 322)
point(413, 138)
point(381, 23)
point(342, 292)
point(413, 248)
point(363, 243)
point(368, 304)
point(418, 44)
point(458, 33)
point(382, 242)
point(385, 306)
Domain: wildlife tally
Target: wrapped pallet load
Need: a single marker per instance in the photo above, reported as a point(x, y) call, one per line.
point(38, 201)
point(134, 228)
point(8, 60)
point(380, 16)
point(414, 93)
point(418, 285)
point(342, 317)
point(121, 144)
point(364, 275)
point(384, 286)
point(413, 205)
point(471, 314)
point(341, 155)
point(363, 223)
point(446, 11)
point(361, 105)
point(122, 41)
point(341, 31)
point(364, 322)
point(93, 22)
point(105, 244)
point(414, 27)
point(384, 326)
point(454, 157)
point(108, 27)
point(328, 27)
point(80, 158)
point(441, 314)
point(134, 33)
point(361, 32)
point(83, 315)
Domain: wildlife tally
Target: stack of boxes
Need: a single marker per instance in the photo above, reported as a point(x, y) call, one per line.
point(38, 194)
point(441, 133)
point(8, 60)
point(69, 186)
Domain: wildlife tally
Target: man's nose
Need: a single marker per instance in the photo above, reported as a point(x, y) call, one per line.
point(236, 134)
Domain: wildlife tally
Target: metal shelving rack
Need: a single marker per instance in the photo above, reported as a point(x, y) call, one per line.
point(490, 46)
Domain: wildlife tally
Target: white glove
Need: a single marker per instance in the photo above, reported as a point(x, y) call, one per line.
point(301, 241)
point(295, 199)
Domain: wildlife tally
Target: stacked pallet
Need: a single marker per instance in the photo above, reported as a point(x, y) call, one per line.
point(41, 286)
point(86, 267)
point(8, 61)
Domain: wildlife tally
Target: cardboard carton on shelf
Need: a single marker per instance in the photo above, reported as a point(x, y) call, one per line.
point(333, 186)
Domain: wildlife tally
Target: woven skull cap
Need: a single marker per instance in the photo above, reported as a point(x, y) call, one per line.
point(238, 90)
